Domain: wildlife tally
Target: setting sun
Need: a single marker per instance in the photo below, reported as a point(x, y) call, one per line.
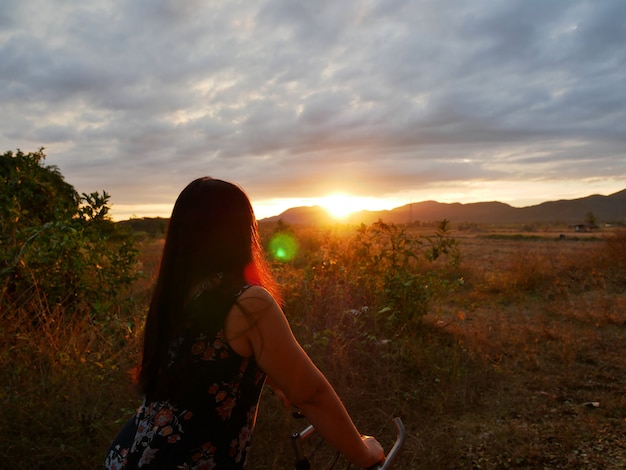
point(340, 205)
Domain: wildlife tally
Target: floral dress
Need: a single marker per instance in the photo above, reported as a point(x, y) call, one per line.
point(208, 428)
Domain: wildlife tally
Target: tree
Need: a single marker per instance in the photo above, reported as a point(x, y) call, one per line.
point(56, 246)
point(34, 191)
point(590, 220)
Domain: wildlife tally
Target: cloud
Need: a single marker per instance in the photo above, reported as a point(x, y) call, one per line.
point(292, 98)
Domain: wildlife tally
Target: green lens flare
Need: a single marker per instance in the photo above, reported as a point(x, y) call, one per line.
point(283, 247)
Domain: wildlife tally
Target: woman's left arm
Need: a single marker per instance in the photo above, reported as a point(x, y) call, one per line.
point(290, 369)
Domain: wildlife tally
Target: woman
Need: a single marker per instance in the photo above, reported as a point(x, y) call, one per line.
point(214, 333)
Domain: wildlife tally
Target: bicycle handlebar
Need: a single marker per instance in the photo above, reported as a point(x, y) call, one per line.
point(303, 463)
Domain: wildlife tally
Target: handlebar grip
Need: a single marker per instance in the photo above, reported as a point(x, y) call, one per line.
point(395, 449)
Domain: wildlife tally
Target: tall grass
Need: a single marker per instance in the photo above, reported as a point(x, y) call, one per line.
point(519, 366)
point(62, 376)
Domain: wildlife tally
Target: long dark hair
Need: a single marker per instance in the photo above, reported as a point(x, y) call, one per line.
point(212, 233)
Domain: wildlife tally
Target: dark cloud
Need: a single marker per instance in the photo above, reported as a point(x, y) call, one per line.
point(293, 98)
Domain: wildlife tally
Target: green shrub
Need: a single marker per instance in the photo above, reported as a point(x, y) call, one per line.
point(380, 276)
point(406, 270)
point(56, 244)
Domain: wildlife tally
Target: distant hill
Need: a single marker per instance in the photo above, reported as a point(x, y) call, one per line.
point(606, 209)
point(307, 215)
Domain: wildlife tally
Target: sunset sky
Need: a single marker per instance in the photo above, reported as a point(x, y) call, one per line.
point(391, 101)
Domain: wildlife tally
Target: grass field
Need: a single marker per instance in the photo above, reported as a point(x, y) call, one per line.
point(518, 361)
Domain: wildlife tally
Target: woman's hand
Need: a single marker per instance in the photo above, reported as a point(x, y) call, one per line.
point(375, 450)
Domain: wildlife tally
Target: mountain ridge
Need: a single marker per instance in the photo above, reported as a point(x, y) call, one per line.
point(604, 209)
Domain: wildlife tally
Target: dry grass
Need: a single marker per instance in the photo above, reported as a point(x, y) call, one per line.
point(60, 388)
point(524, 366)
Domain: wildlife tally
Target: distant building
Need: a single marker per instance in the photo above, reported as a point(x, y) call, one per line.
point(585, 227)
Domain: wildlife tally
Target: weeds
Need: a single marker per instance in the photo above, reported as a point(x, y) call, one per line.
point(57, 375)
point(502, 370)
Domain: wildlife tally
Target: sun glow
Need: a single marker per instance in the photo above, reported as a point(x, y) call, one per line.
point(340, 205)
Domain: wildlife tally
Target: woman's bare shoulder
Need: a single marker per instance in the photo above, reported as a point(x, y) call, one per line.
point(256, 299)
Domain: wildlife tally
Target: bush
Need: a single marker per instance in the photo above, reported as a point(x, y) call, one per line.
point(380, 275)
point(56, 244)
point(407, 270)
point(64, 272)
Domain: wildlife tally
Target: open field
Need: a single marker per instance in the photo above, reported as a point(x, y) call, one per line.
point(522, 367)
point(518, 362)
